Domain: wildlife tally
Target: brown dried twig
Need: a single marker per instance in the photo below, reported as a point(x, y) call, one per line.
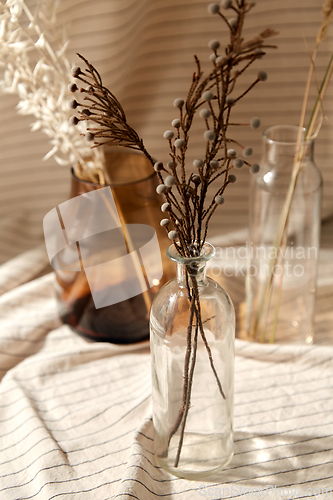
point(212, 97)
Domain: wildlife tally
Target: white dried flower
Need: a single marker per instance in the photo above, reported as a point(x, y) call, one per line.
point(38, 72)
point(176, 123)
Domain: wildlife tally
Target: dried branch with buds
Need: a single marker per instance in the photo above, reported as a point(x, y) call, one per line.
point(212, 98)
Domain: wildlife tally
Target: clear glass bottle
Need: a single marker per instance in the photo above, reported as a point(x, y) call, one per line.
point(192, 370)
point(282, 309)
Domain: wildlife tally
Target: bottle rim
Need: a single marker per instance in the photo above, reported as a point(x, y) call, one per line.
point(276, 129)
point(208, 251)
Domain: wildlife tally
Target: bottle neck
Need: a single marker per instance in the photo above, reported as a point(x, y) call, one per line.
point(191, 270)
point(186, 273)
point(283, 154)
point(280, 144)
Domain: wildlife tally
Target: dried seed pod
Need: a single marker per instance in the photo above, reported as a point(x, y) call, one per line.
point(178, 103)
point(89, 137)
point(165, 207)
point(254, 169)
point(209, 135)
point(232, 153)
point(158, 166)
point(205, 113)
point(74, 120)
point(173, 235)
point(196, 179)
point(73, 104)
point(230, 101)
point(214, 44)
point(76, 71)
point(213, 8)
point(198, 163)
point(165, 222)
point(226, 4)
point(72, 87)
point(179, 143)
point(207, 96)
point(219, 200)
point(262, 76)
point(247, 152)
point(168, 134)
point(232, 22)
point(255, 122)
point(170, 181)
point(220, 60)
point(162, 189)
point(238, 163)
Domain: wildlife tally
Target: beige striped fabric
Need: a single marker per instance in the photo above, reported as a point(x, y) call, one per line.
point(144, 51)
point(75, 416)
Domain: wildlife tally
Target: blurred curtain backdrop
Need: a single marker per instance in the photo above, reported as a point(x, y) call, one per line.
point(144, 51)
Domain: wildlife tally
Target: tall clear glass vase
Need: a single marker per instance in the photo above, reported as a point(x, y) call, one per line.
point(192, 327)
point(282, 272)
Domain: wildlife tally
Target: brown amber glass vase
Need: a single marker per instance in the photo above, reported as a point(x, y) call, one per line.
point(133, 185)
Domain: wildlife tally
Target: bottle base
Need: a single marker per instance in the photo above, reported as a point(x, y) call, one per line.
point(194, 475)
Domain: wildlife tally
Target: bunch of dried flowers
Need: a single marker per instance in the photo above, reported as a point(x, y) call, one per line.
point(35, 67)
point(211, 98)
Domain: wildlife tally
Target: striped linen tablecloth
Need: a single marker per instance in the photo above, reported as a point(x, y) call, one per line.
point(75, 416)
